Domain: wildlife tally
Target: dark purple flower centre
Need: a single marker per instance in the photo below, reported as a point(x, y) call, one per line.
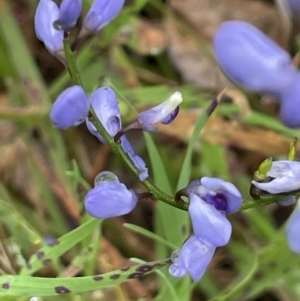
point(171, 116)
point(218, 200)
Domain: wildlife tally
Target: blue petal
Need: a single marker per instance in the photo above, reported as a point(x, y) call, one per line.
point(290, 104)
point(101, 13)
point(293, 231)
point(196, 256)
point(233, 196)
point(69, 13)
point(251, 58)
point(46, 14)
point(109, 199)
point(70, 108)
point(209, 223)
point(105, 105)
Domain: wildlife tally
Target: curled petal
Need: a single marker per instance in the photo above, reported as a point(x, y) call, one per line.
point(251, 58)
point(165, 113)
point(70, 108)
point(293, 232)
point(109, 199)
point(209, 223)
point(194, 258)
point(46, 14)
point(286, 176)
point(69, 13)
point(138, 162)
point(101, 13)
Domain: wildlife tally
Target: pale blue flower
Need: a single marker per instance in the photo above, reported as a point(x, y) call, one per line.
point(46, 14)
point(101, 13)
point(293, 231)
point(105, 105)
point(193, 258)
point(252, 59)
point(109, 198)
point(286, 177)
point(70, 108)
point(210, 200)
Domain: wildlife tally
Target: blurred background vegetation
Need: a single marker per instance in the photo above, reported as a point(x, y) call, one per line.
point(151, 50)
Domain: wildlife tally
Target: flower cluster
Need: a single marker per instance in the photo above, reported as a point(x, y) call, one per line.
point(253, 60)
point(210, 200)
point(284, 176)
point(52, 21)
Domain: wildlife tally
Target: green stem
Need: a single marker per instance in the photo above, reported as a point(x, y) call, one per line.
point(117, 149)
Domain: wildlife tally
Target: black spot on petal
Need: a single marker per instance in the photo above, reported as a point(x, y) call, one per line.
point(125, 269)
point(114, 276)
point(98, 278)
point(62, 290)
point(5, 285)
point(144, 268)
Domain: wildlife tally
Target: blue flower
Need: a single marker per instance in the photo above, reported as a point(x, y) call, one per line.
point(285, 176)
point(70, 108)
point(46, 14)
point(69, 12)
point(101, 13)
point(193, 258)
point(252, 59)
point(210, 200)
point(293, 231)
point(105, 105)
point(164, 113)
point(109, 198)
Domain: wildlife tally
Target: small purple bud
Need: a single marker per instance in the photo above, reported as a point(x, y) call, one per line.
point(293, 231)
point(101, 13)
point(105, 105)
point(109, 198)
point(165, 113)
point(46, 14)
point(252, 59)
point(286, 177)
point(69, 13)
point(193, 258)
point(70, 108)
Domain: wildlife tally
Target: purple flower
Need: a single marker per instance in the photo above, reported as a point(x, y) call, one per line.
point(193, 258)
point(46, 14)
point(252, 59)
point(293, 231)
point(70, 108)
point(110, 197)
point(294, 6)
point(105, 105)
point(210, 200)
point(290, 103)
point(164, 113)
point(286, 177)
point(69, 13)
point(101, 13)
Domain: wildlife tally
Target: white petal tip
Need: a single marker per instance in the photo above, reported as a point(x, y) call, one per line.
point(176, 98)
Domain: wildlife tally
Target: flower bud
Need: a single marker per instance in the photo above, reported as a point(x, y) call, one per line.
point(252, 59)
point(46, 14)
point(69, 13)
point(70, 108)
point(110, 197)
point(101, 13)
